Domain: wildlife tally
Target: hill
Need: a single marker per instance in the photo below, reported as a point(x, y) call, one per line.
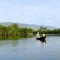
point(34, 27)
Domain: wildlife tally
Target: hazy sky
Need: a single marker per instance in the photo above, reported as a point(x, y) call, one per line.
point(39, 12)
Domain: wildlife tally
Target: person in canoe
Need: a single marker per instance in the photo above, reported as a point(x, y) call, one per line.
point(43, 35)
point(38, 35)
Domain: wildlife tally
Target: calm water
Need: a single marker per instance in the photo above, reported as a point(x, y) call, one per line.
point(30, 49)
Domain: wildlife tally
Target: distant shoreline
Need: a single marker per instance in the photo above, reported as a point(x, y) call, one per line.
point(53, 34)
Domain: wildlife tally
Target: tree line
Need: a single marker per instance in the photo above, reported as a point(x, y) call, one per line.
point(47, 31)
point(14, 30)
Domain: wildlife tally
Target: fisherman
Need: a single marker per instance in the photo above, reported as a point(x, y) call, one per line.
point(43, 35)
point(38, 35)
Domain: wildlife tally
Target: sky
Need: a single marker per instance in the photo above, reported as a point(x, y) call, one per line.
point(38, 12)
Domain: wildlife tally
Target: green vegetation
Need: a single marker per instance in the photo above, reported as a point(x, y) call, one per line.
point(47, 31)
point(14, 30)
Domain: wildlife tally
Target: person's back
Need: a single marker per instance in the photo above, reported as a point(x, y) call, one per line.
point(43, 35)
point(38, 35)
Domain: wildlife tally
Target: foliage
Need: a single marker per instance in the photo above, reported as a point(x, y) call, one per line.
point(47, 31)
point(13, 30)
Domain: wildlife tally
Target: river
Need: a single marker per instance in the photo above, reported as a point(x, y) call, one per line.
point(30, 49)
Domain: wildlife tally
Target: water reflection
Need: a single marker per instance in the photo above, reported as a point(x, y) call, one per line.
point(41, 42)
point(12, 41)
point(30, 49)
point(9, 37)
point(9, 43)
point(15, 37)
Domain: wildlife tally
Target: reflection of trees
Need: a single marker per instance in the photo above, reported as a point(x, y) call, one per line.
point(12, 43)
point(9, 37)
point(15, 43)
point(12, 40)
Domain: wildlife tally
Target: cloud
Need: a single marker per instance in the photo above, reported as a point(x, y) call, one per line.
point(24, 17)
point(48, 21)
point(35, 9)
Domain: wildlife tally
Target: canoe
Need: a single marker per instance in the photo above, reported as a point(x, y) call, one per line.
point(42, 38)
